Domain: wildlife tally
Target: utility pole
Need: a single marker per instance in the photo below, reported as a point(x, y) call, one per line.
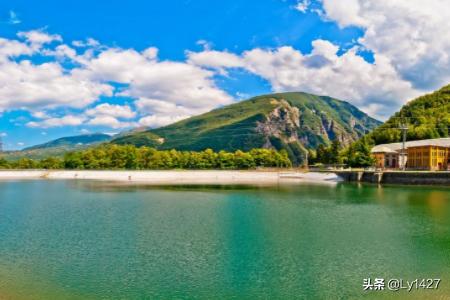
point(1, 144)
point(306, 160)
point(404, 128)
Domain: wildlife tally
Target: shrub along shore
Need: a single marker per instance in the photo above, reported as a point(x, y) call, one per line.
point(128, 157)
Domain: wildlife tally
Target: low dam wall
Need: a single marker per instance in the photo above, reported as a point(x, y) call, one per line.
point(400, 177)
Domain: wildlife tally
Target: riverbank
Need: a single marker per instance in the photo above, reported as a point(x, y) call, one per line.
point(397, 177)
point(176, 177)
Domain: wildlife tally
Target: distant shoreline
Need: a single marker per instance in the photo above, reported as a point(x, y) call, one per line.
point(175, 177)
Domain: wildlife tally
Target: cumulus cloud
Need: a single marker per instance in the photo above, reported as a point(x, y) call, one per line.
point(89, 42)
point(159, 113)
point(158, 120)
point(412, 34)
point(215, 59)
point(109, 115)
point(106, 109)
point(324, 72)
point(109, 121)
point(408, 39)
point(177, 89)
point(28, 86)
point(154, 106)
point(13, 48)
point(174, 82)
point(39, 37)
point(68, 120)
point(409, 42)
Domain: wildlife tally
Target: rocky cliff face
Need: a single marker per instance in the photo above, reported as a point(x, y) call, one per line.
point(283, 123)
point(289, 124)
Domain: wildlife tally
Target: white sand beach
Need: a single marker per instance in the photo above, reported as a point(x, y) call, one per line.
point(175, 177)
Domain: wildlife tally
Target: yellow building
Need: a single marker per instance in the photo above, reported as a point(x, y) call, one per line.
point(431, 154)
point(431, 157)
point(386, 158)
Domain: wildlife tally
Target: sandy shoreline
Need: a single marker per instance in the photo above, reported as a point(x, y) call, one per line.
point(174, 177)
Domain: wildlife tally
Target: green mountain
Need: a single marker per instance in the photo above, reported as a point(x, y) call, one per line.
point(59, 146)
point(426, 117)
point(292, 121)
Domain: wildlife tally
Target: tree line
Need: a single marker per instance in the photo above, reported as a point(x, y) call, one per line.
point(111, 156)
point(356, 154)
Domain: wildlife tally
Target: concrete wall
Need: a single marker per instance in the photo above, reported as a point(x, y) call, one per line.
point(399, 177)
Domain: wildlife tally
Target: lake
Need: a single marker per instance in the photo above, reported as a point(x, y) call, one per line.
point(87, 240)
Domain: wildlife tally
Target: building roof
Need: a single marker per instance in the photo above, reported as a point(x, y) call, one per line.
point(382, 149)
point(396, 147)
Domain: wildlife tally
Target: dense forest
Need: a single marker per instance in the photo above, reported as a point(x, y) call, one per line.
point(110, 156)
point(426, 117)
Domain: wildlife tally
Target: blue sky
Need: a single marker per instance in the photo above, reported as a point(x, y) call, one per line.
point(68, 68)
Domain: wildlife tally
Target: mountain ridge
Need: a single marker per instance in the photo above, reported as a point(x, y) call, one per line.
point(59, 146)
point(294, 121)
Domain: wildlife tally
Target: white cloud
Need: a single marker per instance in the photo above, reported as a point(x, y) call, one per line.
point(154, 106)
point(324, 72)
point(412, 34)
point(215, 59)
point(173, 82)
point(347, 12)
point(158, 120)
point(106, 109)
point(409, 41)
point(13, 48)
point(150, 53)
point(109, 121)
point(177, 89)
point(161, 113)
point(29, 86)
point(3, 134)
point(68, 120)
point(89, 42)
point(39, 37)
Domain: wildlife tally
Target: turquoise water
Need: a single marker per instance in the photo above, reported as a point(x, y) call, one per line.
point(79, 240)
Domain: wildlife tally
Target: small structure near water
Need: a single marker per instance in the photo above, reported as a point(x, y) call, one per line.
point(430, 155)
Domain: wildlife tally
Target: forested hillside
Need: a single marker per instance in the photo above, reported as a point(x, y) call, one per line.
point(294, 122)
point(426, 117)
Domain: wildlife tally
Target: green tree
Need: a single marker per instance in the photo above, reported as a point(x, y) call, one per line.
point(243, 160)
point(4, 164)
point(26, 163)
point(334, 152)
point(73, 160)
point(51, 163)
point(359, 155)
